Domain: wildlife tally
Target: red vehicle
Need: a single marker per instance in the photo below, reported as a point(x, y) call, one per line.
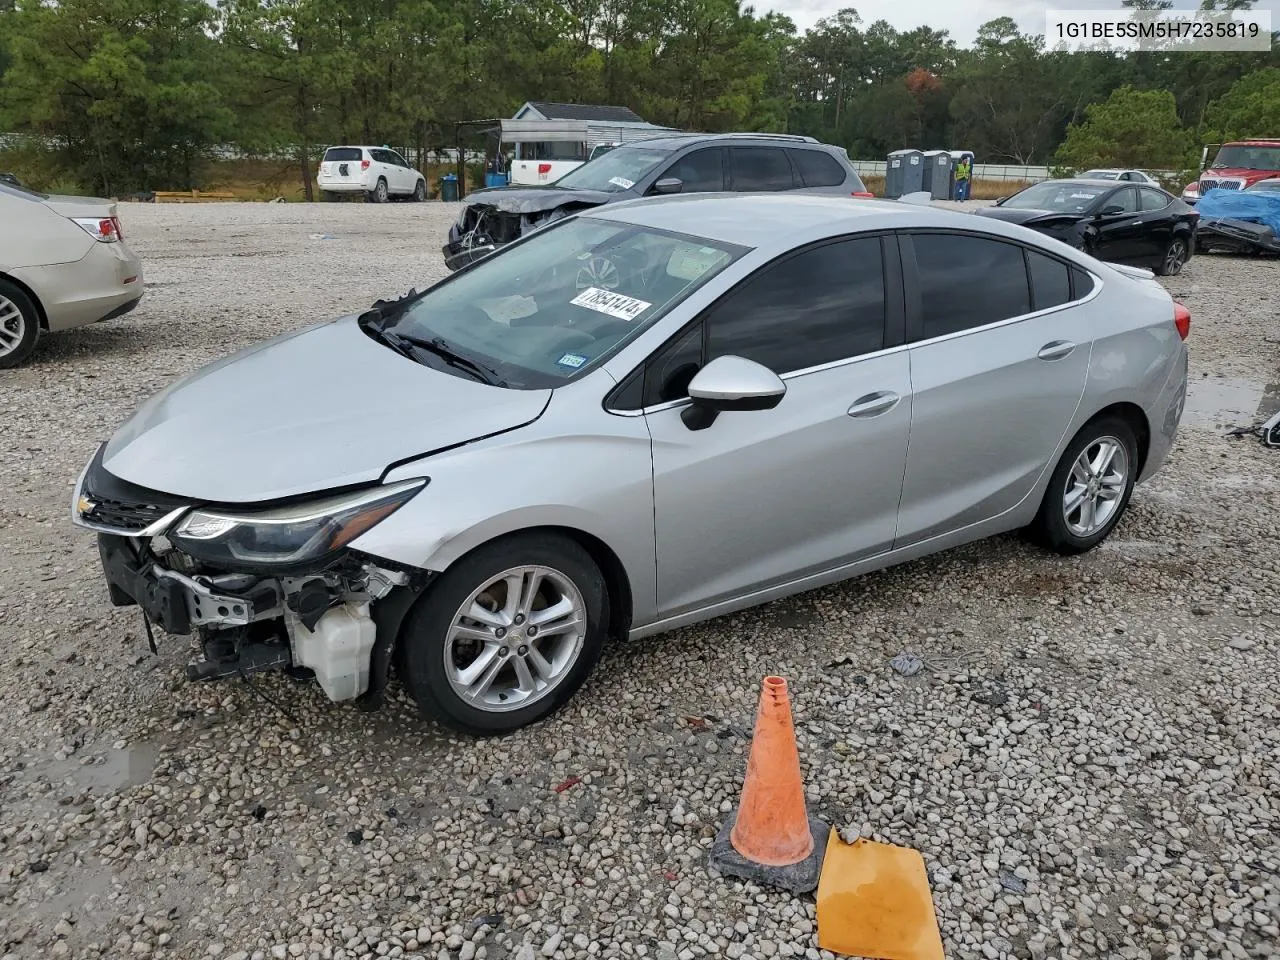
point(1237, 165)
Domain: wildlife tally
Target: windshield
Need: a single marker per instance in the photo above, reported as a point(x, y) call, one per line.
point(1056, 196)
point(1248, 158)
point(614, 171)
point(1265, 186)
point(550, 307)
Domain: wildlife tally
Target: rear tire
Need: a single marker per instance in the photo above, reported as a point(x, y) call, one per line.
point(379, 193)
point(441, 642)
point(19, 325)
point(1174, 258)
point(1090, 488)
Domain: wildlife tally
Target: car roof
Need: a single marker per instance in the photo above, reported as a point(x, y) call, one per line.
point(673, 141)
point(776, 220)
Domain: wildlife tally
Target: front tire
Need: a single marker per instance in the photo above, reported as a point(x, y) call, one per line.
point(506, 635)
point(420, 191)
point(19, 326)
point(1174, 259)
point(1090, 488)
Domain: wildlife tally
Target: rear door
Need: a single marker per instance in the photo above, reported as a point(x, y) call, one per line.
point(341, 163)
point(998, 367)
point(760, 169)
point(761, 498)
point(1158, 221)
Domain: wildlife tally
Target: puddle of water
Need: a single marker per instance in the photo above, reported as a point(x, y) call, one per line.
point(1218, 402)
point(115, 769)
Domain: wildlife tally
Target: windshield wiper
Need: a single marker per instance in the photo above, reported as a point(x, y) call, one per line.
point(481, 371)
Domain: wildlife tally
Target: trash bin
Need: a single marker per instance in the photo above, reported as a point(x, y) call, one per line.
point(937, 174)
point(962, 174)
point(904, 173)
point(449, 187)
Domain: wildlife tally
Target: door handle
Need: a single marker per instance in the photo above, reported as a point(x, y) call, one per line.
point(1136, 223)
point(874, 404)
point(1056, 350)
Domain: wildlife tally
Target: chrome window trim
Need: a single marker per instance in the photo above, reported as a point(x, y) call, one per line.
point(1098, 284)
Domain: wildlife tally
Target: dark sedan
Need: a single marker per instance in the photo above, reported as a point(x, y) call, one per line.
point(1121, 223)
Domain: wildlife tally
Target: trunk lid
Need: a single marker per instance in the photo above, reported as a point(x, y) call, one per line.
point(88, 207)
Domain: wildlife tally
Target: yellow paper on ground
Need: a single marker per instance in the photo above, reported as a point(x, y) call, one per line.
point(874, 901)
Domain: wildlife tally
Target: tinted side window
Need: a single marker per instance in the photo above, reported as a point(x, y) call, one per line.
point(1050, 281)
point(701, 171)
point(968, 281)
point(1153, 199)
point(817, 169)
point(761, 168)
point(398, 160)
point(1081, 284)
point(1126, 200)
point(821, 305)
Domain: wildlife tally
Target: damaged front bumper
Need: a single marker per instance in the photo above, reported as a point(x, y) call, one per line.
point(484, 229)
point(335, 619)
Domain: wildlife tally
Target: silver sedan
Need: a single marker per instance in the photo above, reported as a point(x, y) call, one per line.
point(645, 416)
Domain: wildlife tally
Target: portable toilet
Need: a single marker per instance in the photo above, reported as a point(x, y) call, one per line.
point(937, 174)
point(903, 173)
point(962, 189)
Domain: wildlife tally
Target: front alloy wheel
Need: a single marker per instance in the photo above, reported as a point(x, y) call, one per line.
point(507, 634)
point(515, 638)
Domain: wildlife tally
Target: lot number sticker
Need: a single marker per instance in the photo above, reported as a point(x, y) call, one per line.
point(614, 304)
point(573, 360)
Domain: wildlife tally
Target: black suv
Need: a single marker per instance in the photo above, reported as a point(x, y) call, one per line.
point(688, 163)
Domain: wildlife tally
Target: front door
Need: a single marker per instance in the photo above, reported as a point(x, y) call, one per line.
point(1122, 235)
point(995, 383)
point(761, 498)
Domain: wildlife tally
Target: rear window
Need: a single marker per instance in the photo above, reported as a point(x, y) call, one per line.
point(817, 169)
point(10, 189)
point(334, 154)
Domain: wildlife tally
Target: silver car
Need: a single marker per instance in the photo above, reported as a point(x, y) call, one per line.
point(635, 419)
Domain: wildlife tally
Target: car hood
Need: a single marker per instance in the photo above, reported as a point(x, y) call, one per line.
point(316, 409)
point(537, 199)
point(1029, 217)
point(1242, 173)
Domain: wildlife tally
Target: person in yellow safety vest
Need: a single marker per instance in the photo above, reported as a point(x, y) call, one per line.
point(963, 170)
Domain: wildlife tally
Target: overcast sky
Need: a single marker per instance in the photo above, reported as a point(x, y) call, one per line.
point(960, 19)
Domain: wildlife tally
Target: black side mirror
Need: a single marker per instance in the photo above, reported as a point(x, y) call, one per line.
point(1000, 201)
point(1112, 209)
point(668, 185)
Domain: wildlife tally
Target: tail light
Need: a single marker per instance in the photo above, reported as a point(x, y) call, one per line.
point(863, 194)
point(102, 229)
point(364, 164)
point(1182, 320)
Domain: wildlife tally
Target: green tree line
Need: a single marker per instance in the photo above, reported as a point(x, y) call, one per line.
point(136, 94)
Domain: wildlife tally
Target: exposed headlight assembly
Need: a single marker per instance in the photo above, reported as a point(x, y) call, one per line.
point(289, 535)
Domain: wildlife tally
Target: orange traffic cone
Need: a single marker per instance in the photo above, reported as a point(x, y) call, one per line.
point(771, 838)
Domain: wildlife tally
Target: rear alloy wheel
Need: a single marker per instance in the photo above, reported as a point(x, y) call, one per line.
point(1090, 488)
point(19, 326)
point(420, 191)
point(506, 635)
point(379, 192)
point(1175, 256)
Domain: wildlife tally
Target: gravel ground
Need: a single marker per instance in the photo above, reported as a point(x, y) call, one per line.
point(1089, 763)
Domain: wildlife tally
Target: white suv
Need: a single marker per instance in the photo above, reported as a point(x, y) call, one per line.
point(377, 172)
